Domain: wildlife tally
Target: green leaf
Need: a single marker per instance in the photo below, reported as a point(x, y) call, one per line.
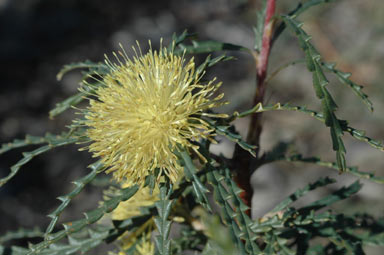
point(93, 69)
point(214, 178)
point(336, 196)
point(244, 221)
point(318, 161)
point(176, 40)
point(75, 246)
point(211, 248)
point(66, 199)
point(211, 62)
point(302, 192)
point(344, 78)
point(316, 250)
point(164, 206)
point(17, 143)
point(66, 104)
point(366, 228)
point(357, 134)
point(299, 226)
point(259, 28)
point(230, 133)
point(27, 156)
point(86, 89)
point(21, 233)
point(199, 47)
point(52, 140)
point(360, 135)
point(90, 218)
point(219, 241)
point(199, 190)
point(91, 66)
point(319, 84)
point(282, 67)
point(301, 7)
point(14, 250)
point(188, 239)
point(226, 194)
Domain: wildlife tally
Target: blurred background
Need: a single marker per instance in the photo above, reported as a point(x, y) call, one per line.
point(38, 37)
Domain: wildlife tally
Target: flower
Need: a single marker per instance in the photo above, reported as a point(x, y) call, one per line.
point(144, 110)
point(144, 246)
point(131, 207)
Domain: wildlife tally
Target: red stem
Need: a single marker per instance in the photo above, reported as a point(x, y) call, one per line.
point(261, 67)
point(262, 62)
point(244, 161)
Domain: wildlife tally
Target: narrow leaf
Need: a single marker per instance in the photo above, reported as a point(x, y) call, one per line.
point(164, 205)
point(344, 78)
point(17, 143)
point(92, 66)
point(355, 133)
point(75, 226)
point(199, 47)
point(302, 192)
point(66, 104)
point(66, 199)
point(199, 190)
point(336, 196)
point(52, 140)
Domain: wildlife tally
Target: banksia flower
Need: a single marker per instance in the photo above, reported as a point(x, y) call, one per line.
point(131, 207)
point(143, 247)
point(147, 108)
point(146, 247)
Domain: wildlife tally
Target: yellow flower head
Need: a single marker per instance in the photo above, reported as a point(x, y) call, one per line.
point(131, 207)
point(146, 247)
point(146, 108)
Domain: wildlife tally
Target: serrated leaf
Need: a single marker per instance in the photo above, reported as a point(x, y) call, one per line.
point(233, 208)
point(302, 192)
point(91, 66)
point(66, 104)
point(21, 233)
point(75, 226)
point(227, 216)
point(259, 28)
point(323, 81)
point(211, 62)
point(18, 143)
point(164, 205)
point(318, 161)
point(219, 241)
point(52, 142)
point(199, 47)
point(344, 78)
point(176, 40)
point(27, 156)
point(230, 133)
point(357, 134)
point(243, 219)
point(301, 7)
point(14, 250)
point(336, 196)
point(199, 190)
point(319, 83)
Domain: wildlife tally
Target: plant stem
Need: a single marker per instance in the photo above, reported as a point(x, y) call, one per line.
point(245, 163)
point(255, 127)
